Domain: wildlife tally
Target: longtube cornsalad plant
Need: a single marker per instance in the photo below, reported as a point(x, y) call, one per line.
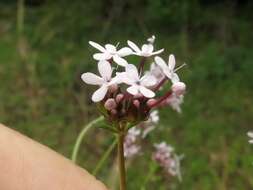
point(127, 95)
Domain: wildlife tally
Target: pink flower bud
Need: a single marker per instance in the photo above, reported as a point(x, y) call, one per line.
point(114, 112)
point(178, 88)
point(113, 88)
point(139, 95)
point(119, 98)
point(110, 104)
point(136, 103)
point(151, 102)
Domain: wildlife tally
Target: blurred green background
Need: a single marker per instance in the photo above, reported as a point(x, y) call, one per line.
point(44, 49)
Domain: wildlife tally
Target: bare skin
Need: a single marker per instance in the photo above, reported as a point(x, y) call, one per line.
point(28, 165)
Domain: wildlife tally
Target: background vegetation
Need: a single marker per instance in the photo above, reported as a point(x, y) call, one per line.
point(44, 49)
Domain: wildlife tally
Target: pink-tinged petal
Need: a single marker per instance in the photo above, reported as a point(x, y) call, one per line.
point(146, 92)
point(132, 72)
point(120, 61)
point(99, 94)
point(105, 70)
point(111, 48)
point(147, 48)
point(157, 52)
point(161, 63)
point(102, 56)
point(172, 62)
point(125, 52)
point(91, 78)
point(134, 90)
point(133, 46)
point(148, 80)
point(97, 46)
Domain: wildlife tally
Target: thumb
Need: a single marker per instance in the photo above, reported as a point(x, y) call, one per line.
point(26, 164)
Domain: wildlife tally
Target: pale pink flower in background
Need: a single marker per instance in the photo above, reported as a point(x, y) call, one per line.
point(175, 102)
point(164, 155)
point(110, 52)
point(150, 124)
point(146, 50)
point(130, 143)
point(178, 88)
point(250, 134)
point(138, 85)
point(105, 70)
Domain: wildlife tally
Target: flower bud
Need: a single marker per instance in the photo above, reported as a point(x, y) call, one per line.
point(136, 103)
point(110, 104)
point(139, 95)
point(178, 88)
point(119, 98)
point(114, 112)
point(113, 88)
point(151, 102)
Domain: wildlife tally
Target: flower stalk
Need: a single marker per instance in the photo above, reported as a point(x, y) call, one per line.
point(121, 158)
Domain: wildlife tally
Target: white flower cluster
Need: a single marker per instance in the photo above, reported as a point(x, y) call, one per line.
point(167, 159)
point(129, 79)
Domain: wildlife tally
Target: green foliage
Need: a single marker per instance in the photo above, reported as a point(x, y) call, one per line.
point(41, 93)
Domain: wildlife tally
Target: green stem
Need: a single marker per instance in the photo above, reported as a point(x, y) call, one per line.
point(20, 17)
point(150, 174)
point(104, 157)
point(81, 136)
point(121, 159)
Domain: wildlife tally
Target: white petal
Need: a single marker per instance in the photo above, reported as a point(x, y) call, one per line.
point(148, 80)
point(125, 52)
point(133, 46)
point(146, 92)
point(120, 61)
point(134, 90)
point(174, 78)
point(157, 52)
point(161, 63)
point(105, 70)
point(132, 72)
point(97, 46)
point(102, 56)
point(111, 48)
point(99, 94)
point(91, 78)
point(250, 134)
point(147, 48)
point(251, 141)
point(172, 62)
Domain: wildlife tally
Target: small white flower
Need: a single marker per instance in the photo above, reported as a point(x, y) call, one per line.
point(111, 52)
point(154, 117)
point(250, 134)
point(156, 71)
point(105, 70)
point(168, 69)
point(150, 124)
point(137, 84)
point(146, 50)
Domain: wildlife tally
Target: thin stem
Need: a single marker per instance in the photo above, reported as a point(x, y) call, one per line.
point(141, 65)
point(152, 169)
point(81, 136)
point(121, 159)
point(160, 84)
point(104, 157)
point(156, 103)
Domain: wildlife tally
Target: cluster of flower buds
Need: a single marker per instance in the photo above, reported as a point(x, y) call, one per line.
point(167, 159)
point(126, 92)
point(132, 142)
